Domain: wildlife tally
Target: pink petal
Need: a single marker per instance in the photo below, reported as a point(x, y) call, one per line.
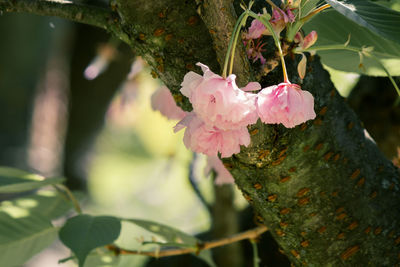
point(163, 101)
point(223, 175)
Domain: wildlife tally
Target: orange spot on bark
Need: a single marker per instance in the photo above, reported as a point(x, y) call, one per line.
point(322, 229)
point(193, 20)
point(374, 194)
point(323, 111)
point(272, 198)
point(336, 157)
point(333, 92)
point(293, 169)
point(263, 154)
point(303, 192)
point(339, 210)
point(283, 224)
point(355, 174)
point(257, 186)
point(305, 243)
point(285, 179)
point(350, 252)
point(361, 182)
point(341, 236)
point(317, 122)
point(328, 156)
point(295, 254)
point(279, 232)
point(168, 37)
point(303, 201)
point(159, 32)
point(305, 148)
point(368, 229)
point(319, 146)
point(254, 132)
point(303, 127)
point(341, 216)
point(353, 225)
point(378, 230)
point(285, 211)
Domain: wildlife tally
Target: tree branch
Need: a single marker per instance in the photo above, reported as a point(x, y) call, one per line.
point(249, 234)
point(91, 15)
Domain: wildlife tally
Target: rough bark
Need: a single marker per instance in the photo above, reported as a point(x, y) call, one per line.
point(324, 189)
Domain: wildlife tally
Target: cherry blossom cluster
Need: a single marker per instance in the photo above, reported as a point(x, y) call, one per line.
point(222, 111)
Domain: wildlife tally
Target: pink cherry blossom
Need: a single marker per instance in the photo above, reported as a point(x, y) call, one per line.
point(223, 175)
point(209, 140)
point(285, 103)
point(163, 101)
point(218, 101)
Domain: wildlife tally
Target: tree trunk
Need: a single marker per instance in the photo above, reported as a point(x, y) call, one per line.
point(327, 194)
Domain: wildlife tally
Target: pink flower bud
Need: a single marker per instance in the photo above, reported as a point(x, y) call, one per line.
point(309, 40)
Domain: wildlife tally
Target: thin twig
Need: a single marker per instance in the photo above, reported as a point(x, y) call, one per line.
point(92, 15)
point(193, 183)
point(249, 234)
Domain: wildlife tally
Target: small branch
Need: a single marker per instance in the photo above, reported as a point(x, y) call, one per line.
point(92, 15)
point(249, 234)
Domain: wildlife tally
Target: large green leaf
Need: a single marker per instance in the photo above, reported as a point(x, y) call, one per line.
point(84, 233)
point(21, 238)
point(14, 180)
point(173, 236)
point(386, 51)
point(379, 19)
point(46, 203)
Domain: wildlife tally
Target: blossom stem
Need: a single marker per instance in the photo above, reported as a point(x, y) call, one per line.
point(230, 53)
point(277, 42)
point(232, 41)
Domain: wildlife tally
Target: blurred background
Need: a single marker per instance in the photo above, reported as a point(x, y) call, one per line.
point(76, 103)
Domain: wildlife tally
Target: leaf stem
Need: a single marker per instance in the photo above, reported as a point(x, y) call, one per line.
point(249, 234)
point(71, 197)
point(353, 49)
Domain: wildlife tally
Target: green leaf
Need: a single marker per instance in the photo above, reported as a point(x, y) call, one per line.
point(84, 233)
point(46, 203)
point(172, 235)
point(21, 238)
point(306, 6)
point(14, 180)
point(379, 19)
point(386, 51)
